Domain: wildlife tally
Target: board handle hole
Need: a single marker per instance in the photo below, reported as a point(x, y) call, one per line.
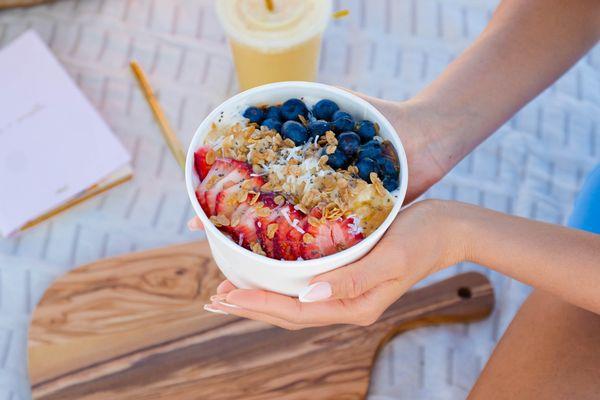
point(464, 292)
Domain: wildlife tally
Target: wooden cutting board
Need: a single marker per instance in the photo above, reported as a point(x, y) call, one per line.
point(21, 3)
point(133, 327)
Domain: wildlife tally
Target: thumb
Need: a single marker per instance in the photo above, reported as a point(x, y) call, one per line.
point(373, 100)
point(347, 282)
point(195, 224)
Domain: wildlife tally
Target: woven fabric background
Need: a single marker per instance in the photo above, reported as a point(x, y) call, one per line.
point(533, 166)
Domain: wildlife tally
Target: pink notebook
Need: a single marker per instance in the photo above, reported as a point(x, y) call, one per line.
point(55, 149)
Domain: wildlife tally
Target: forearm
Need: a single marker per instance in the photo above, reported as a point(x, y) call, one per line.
point(563, 261)
point(527, 45)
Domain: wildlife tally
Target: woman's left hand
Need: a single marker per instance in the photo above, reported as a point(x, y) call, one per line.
point(423, 239)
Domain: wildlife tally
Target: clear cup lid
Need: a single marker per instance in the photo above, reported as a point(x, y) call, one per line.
point(289, 23)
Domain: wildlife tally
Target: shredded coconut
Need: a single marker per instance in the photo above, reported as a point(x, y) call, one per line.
point(295, 223)
point(286, 215)
point(355, 227)
point(217, 143)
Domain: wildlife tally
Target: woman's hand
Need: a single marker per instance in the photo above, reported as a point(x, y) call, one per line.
point(424, 238)
point(418, 126)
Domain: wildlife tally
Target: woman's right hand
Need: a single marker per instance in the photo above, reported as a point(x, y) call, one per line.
point(417, 127)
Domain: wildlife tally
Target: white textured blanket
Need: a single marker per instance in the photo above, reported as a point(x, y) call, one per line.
point(532, 167)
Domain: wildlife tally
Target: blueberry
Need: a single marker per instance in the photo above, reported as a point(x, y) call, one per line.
point(254, 114)
point(338, 160)
point(318, 127)
point(273, 112)
point(342, 122)
point(349, 142)
point(387, 167)
point(295, 131)
point(340, 114)
point(366, 130)
point(371, 149)
point(324, 109)
point(390, 152)
point(292, 108)
point(391, 183)
point(365, 167)
point(273, 124)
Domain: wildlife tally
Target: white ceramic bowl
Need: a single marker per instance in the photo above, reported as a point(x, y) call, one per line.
point(249, 270)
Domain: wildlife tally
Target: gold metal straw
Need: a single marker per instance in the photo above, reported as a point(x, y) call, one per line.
point(170, 137)
point(340, 14)
point(270, 5)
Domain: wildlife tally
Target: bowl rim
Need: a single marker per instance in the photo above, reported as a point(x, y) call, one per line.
point(333, 260)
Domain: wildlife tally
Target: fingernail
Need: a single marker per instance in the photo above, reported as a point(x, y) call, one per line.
point(218, 297)
point(315, 292)
point(223, 303)
point(225, 287)
point(194, 225)
point(208, 308)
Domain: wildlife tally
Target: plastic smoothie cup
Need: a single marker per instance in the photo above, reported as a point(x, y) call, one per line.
point(278, 44)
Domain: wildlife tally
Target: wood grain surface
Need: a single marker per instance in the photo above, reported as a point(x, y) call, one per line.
point(133, 327)
point(21, 3)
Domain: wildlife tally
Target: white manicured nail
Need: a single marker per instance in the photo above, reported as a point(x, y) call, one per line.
point(208, 308)
point(194, 225)
point(315, 292)
point(228, 305)
point(218, 297)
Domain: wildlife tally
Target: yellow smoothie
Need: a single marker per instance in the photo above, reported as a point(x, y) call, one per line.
point(282, 44)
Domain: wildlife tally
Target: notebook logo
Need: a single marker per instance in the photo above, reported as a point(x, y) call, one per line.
point(62, 189)
point(36, 108)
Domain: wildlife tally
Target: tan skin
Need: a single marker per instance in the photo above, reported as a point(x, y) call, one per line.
point(527, 45)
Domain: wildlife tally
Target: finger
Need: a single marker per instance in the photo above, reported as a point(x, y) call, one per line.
point(362, 310)
point(225, 287)
point(352, 280)
point(224, 308)
point(363, 96)
point(285, 308)
point(370, 306)
point(195, 224)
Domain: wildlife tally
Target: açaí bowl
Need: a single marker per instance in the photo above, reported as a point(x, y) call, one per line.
point(249, 270)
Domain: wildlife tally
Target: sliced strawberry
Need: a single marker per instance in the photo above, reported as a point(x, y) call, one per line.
point(201, 197)
point(226, 202)
point(345, 233)
point(245, 231)
point(239, 172)
point(294, 240)
point(200, 165)
point(322, 243)
point(218, 170)
point(268, 200)
point(236, 216)
point(330, 236)
point(288, 238)
point(262, 224)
